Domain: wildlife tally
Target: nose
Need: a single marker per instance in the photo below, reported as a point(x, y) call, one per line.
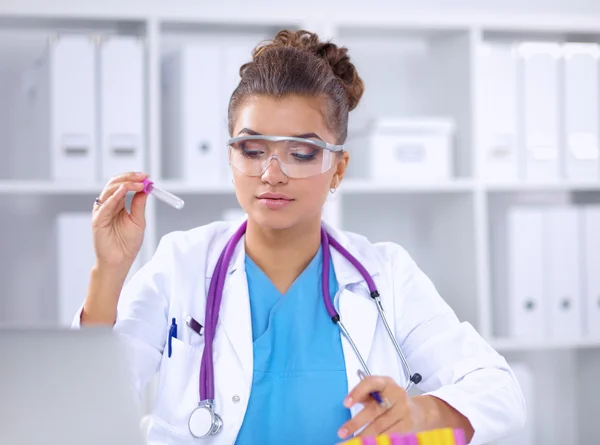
point(273, 172)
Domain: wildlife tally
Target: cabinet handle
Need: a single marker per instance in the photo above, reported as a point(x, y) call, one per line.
point(566, 303)
point(529, 305)
point(204, 147)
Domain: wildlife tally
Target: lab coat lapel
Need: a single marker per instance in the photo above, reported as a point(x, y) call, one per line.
point(357, 310)
point(234, 316)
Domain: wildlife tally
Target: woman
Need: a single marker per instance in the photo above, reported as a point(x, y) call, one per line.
point(283, 373)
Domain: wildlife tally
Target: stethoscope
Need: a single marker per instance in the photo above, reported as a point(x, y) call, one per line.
point(204, 421)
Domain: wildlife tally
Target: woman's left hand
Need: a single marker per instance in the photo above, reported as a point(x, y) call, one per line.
point(401, 415)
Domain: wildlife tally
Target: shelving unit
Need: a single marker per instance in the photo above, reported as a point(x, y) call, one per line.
point(446, 226)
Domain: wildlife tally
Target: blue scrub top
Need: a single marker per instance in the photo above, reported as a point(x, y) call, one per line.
point(299, 381)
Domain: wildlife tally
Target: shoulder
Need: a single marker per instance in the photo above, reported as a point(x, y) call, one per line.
point(387, 256)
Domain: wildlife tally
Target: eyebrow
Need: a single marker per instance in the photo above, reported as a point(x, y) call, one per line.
point(303, 135)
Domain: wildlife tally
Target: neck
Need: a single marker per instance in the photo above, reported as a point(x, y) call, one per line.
point(283, 254)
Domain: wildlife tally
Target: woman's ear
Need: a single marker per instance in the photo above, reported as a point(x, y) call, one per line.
point(340, 169)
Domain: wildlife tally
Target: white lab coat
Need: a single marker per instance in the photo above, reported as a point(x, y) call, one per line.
point(456, 364)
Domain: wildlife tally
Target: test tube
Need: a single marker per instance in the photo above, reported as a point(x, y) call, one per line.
point(163, 195)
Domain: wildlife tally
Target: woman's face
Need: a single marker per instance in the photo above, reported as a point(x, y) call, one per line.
point(303, 197)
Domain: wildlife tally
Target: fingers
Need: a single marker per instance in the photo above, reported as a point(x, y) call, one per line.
point(362, 392)
point(378, 418)
point(114, 183)
point(138, 209)
point(370, 411)
point(396, 418)
point(115, 202)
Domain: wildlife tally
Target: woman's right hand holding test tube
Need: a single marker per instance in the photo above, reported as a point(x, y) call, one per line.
point(118, 236)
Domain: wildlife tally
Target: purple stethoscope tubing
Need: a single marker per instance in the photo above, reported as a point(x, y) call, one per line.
point(215, 295)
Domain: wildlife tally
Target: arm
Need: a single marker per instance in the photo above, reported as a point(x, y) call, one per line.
point(139, 313)
point(436, 414)
point(100, 306)
point(466, 382)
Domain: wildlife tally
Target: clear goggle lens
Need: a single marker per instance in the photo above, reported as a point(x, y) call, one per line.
point(297, 157)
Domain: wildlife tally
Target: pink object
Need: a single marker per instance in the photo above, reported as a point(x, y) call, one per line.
point(403, 439)
point(147, 185)
point(459, 437)
point(369, 441)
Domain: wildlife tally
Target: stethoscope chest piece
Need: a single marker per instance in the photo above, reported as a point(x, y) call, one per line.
point(204, 421)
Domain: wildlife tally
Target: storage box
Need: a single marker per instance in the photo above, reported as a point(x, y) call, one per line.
point(405, 150)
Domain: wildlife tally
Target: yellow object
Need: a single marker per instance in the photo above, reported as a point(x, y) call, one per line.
point(443, 436)
point(446, 436)
point(383, 439)
point(429, 438)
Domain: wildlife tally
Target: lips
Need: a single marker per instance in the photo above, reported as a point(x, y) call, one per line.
point(275, 201)
point(275, 196)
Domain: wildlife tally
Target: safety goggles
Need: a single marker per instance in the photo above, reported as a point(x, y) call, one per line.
point(297, 157)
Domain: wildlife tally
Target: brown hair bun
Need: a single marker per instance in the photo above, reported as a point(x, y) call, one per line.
point(336, 57)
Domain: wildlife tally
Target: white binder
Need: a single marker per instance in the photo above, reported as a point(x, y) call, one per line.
point(581, 111)
point(526, 305)
point(192, 149)
point(590, 242)
point(562, 272)
point(498, 111)
point(65, 107)
point(121, 98)
point(75, 260)
point(540, 158)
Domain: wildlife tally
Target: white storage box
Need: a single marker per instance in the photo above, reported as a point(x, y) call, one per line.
point(409, 150)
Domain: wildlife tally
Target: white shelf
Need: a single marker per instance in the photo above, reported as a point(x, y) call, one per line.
point(515, 345)
point(356, 186)
point(48, 188)
point(563, 186)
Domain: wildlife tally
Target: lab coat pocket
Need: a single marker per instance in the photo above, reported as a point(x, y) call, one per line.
point(178, 386)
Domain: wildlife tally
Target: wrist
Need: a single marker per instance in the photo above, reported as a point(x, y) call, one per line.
point(108, 272)
point(434, 413)
point(427, 413)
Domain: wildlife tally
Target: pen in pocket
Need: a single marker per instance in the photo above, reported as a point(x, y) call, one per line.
point(172, 334)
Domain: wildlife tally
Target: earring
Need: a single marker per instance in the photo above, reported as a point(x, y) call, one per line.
point(332, 190)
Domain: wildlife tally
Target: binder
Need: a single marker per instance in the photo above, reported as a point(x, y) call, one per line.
point(526, 305)
point(590, 242)
point(581, 99)
point(64, 114)
point(562, 272)
point(121, 100)
point(540, 158)
point(192, 150)
point(75, 260)
point(498, 108)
